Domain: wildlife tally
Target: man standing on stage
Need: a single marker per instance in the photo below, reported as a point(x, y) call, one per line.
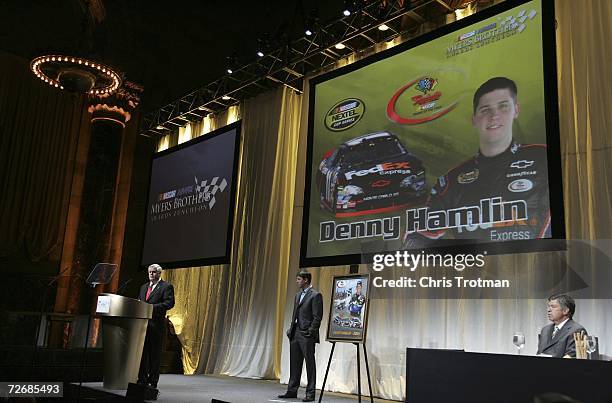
point(557, 338)
point(303, 334)
point(160, 294)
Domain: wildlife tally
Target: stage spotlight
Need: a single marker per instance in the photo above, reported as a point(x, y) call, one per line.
point(263, 45)
point(351, 6)
point(383, 27)
point(226, 97)
point(340, 46)
point(231, 63)
point(312, 22)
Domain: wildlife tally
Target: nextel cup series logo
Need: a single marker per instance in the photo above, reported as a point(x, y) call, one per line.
point(345, 114)
point(426, 102)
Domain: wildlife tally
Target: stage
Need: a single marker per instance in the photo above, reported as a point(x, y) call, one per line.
point(204, 388)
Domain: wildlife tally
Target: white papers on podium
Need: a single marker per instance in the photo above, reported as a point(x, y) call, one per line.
point(103, 304)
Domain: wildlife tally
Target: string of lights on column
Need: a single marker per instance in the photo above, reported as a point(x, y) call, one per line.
point(76, 74)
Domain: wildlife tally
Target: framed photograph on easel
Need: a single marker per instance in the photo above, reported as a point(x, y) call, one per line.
point(348, 315)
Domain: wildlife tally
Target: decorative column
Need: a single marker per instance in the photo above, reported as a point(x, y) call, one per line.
point(99, 200)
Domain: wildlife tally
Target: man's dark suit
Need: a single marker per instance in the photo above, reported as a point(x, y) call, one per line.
point(563, 343)
point(162, 299)
point(303, 334)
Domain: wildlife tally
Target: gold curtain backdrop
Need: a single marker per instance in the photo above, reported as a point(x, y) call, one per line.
point(39, 131)
point(584, 57)
point(231, 319)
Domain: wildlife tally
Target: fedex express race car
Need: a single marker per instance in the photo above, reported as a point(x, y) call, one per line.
point(370, 172)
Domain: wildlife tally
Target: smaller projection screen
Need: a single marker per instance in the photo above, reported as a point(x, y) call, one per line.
point(190, 208)
point(449, 141)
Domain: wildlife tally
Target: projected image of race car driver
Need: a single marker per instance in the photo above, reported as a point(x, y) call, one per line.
point(499, 194)
point(357, 302)
point(373, 171)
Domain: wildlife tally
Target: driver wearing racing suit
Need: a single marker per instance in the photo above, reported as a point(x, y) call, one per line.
point(503, 170)
point(357, 301)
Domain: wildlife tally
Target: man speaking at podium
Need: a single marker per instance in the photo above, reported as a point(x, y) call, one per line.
point(160, 294)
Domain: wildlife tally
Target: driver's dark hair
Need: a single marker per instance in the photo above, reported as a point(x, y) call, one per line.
point(495, 83)
point(305, 275)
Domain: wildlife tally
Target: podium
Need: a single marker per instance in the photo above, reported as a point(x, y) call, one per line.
point(124, 326)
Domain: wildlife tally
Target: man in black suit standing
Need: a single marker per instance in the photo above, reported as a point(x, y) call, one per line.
point(160, 294)
point(303, 334)
point(557, 338)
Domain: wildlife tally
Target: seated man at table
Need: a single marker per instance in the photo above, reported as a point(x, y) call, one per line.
point(557, 338)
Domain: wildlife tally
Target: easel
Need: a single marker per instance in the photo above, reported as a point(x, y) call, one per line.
point(365, 356)
point(353, 269)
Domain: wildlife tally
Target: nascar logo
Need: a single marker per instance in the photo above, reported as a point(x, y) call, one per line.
point(167, 195)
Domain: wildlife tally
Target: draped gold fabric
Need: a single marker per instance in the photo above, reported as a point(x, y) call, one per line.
point(230, 319)
point(584, 57)
point(39, 129)
point(195, 129)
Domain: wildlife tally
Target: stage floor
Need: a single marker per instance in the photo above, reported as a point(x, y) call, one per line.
point(204, 388)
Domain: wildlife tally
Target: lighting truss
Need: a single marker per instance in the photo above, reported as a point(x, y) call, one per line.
point(289, 64)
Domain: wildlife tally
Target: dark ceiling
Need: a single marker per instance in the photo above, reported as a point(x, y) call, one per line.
point(170, 48)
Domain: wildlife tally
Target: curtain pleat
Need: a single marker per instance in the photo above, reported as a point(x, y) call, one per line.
point(229, 318)
point(584, 56)
point(39, 128)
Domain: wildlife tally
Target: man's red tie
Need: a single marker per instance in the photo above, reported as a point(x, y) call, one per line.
point(149, 292)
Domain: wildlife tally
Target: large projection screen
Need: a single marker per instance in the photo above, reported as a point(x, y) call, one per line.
point(190, 208)
point(447, 142)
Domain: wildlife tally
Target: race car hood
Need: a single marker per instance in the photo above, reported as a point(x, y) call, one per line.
point(375, 176)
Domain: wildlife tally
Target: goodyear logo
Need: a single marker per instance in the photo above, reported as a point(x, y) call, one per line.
point(345, 114)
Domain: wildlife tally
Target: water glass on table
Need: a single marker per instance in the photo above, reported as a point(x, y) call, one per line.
point(591, 345)
point(519, 341)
